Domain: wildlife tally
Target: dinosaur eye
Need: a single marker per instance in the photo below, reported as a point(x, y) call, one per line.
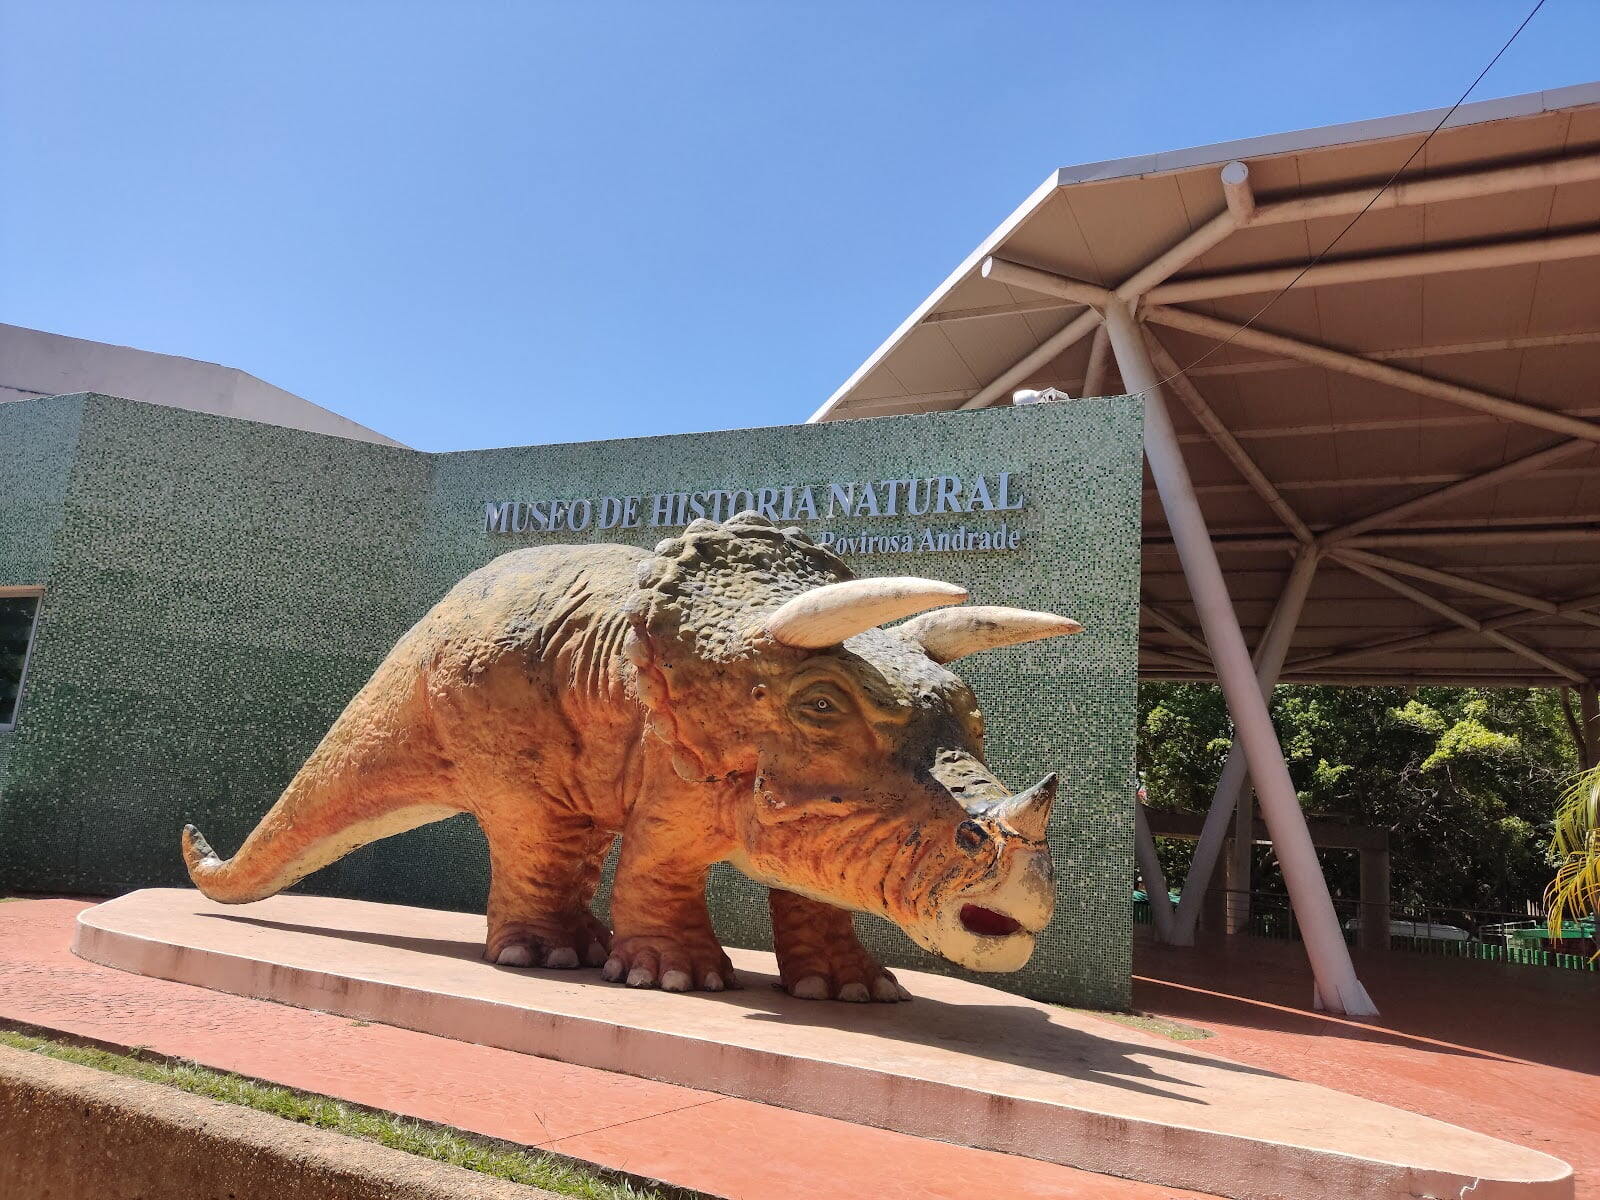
point(823, 706)
point(970, 836)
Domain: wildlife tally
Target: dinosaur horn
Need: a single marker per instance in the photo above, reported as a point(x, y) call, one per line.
point(956, 633)
point(826, 615)
point(1029, 812)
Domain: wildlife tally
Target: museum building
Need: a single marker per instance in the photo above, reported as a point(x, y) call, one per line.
point(191, 599)
point(1316, 407)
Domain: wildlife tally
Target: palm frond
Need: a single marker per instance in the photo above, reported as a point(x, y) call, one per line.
point(1578, 814)
point(1574, 893)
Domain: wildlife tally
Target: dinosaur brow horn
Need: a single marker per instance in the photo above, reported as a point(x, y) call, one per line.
point(956, 633)
point(826, 615)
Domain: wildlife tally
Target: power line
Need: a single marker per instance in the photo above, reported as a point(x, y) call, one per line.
point(1387, 184)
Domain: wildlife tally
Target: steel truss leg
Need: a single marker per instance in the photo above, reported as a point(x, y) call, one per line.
point(1150, 872)
point(1337, 988)
point(1268, 665)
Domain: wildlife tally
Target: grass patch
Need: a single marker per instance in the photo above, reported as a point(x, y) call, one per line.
point(426, 1141)
point(1160, 1026)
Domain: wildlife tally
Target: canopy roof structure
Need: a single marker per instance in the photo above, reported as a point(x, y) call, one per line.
point(1422, 406)
point(1368, 358)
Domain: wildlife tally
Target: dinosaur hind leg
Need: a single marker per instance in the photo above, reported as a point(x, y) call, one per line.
point(544, 867)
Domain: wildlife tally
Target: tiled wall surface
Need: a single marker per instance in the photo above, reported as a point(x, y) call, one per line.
point(216, 590)
point(37, 445)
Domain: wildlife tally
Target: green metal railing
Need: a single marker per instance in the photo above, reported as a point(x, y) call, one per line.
point(1478, 934)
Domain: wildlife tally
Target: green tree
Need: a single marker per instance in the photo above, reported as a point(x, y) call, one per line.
point(1465, 780)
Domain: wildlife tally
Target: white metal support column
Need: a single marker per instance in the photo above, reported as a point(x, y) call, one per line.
point(1150, 872)
point(1337, 988)
point(1231, 785)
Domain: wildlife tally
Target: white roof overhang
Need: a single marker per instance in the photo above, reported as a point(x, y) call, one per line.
point(1422, 406)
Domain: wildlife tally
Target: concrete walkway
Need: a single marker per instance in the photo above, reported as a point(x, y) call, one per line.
point(732, 1148)
point(967, 1063)
point(1510, 1051)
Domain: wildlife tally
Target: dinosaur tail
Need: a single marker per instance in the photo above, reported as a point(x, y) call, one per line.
point(291, 842)
point(372, 777)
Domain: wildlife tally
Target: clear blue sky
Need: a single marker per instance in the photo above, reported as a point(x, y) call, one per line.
point(478, 224)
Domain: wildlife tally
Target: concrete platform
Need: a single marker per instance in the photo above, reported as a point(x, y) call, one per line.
point(964, 1063)
point(652, 1131)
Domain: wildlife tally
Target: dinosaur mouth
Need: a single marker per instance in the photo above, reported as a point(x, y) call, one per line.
point(985, 922)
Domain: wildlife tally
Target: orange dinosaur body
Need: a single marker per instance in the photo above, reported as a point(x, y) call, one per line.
point(727, 698)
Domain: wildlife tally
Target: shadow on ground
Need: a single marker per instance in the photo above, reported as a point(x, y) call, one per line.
point(1018, 1035)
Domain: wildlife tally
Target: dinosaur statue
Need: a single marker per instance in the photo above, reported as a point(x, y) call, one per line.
point(729, 697)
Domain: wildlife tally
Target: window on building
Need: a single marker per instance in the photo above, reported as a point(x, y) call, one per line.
point(17, 616)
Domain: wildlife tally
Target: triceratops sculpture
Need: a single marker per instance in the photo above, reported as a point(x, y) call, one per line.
point(730, 697)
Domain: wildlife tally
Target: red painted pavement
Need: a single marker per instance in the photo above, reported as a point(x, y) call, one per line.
point(732, 1148)
point(1510, 1051)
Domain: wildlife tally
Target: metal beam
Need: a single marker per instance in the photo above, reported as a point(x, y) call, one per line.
point(1447, 350)
point(1155, 880)
point(1231, 784)
point(1579, 602)
point(1455, 419)
point(1465, 620)
point(1407, 193)
point(1245, 542)
point(1511, 470)
point(1337, 987)
point(1069, 335)
point(1477, 587)
point(1505, 620)
point(1236, 190)
point(1182, 253)
point(1423, 680)
point(1350, 364)
point(1360, 482)
point(1525, 536)
point(1169, 262)
point(1416, 641)
point(1239, 487)
point(1094, 374)
point(1385, 266)
point(1171, 624)
point(953, 315)
point(1190, 661)
point(1388, 679)
point(1046, 283)
point(1225, 441)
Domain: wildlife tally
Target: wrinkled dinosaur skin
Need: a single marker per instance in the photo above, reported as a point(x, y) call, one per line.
point(566, 695)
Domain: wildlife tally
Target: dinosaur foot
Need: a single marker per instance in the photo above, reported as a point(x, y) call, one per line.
point(839, 972)
point(560, 942)
point(670, 963)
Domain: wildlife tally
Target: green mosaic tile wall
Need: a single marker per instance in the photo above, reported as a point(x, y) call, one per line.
point(217, 590)
point(37, 445)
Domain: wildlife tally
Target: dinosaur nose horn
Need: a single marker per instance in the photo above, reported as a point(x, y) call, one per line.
point(1029, 812)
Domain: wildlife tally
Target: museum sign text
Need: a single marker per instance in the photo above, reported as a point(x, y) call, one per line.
point(798, 503)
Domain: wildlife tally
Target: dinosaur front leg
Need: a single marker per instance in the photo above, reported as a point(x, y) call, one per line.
point(663, 933)
point(819, 956)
